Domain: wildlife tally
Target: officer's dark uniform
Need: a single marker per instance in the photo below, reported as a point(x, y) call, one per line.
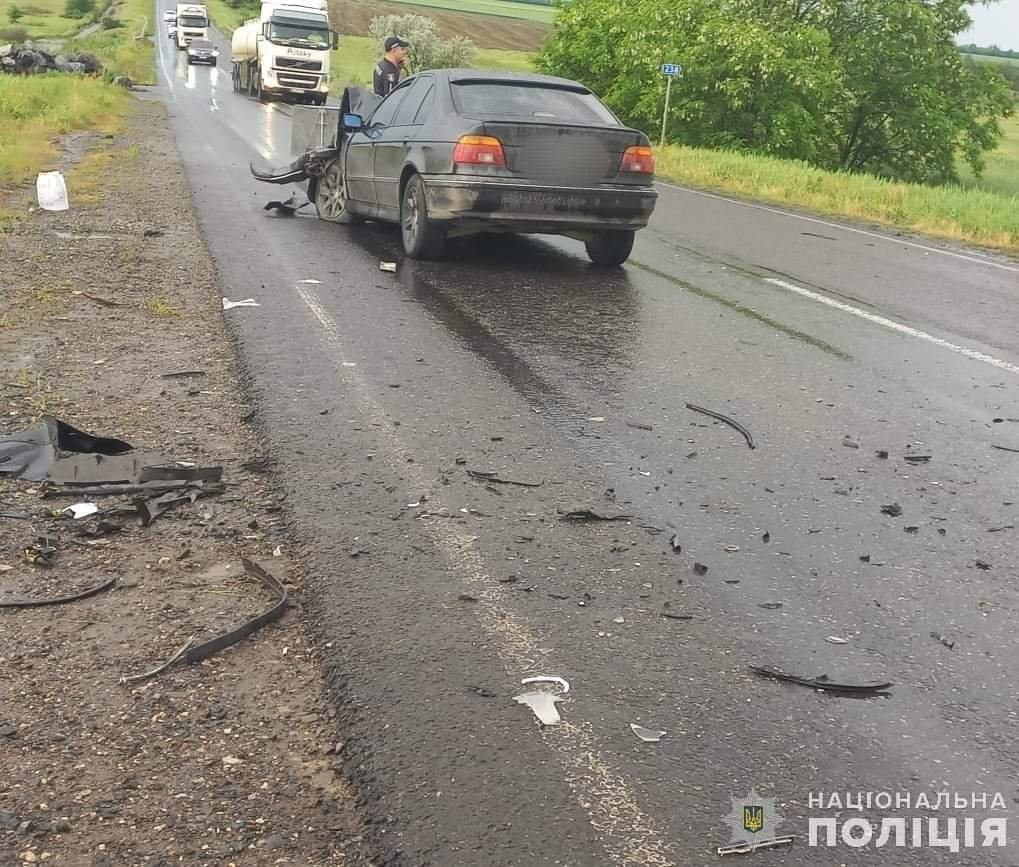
point(387, 76)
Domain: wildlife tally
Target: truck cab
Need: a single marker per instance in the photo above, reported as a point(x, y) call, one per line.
point(192, 23)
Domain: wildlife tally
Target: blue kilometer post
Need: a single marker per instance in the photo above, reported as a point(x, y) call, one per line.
point(670, 71)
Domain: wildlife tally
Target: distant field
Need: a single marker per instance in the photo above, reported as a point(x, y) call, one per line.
point(42, 19)
point(352, 62)
point(986, 58)
point(1002, 172)
point(501, 8)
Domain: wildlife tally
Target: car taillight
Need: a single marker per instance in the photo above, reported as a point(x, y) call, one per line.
point(479, 150)
point(638, 160)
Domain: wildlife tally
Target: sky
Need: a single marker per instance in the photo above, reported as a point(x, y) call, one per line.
point(997, 24)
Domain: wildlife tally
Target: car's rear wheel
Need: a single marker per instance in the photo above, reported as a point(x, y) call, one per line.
point(330, 196)
point(422, 238)
point(611, 248)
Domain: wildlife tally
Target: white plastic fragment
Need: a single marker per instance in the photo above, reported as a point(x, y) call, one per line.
point(561, 681)
point(80, 510)
point(389, 267)
point(649, 736)
point(247, 302)
point(51, 190)
point(312, 281)
point(834, 639)
point(543, 704)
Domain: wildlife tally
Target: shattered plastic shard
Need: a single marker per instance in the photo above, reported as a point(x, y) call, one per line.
point(388, 267)
point(649, 736)
point(247, 302)
point(543, 704)
point(80, 510)
point(559, 681)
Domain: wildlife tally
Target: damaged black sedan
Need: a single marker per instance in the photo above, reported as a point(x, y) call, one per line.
point(457, 152)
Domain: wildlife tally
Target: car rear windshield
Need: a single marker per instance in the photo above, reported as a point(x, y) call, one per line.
point(529, 102)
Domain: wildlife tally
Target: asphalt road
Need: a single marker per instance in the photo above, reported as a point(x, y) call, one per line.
point(435, 593)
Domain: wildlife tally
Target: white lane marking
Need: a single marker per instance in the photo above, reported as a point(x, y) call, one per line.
point(966, 257)
point(629, 836)
point(895, 326)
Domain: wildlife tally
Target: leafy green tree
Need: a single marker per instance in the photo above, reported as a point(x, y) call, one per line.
point(862, 85)
point(14, 14)
point(428, 50)
point(78, 8)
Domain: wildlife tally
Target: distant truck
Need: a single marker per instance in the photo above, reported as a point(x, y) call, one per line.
point(284, 53)
point(192, 23)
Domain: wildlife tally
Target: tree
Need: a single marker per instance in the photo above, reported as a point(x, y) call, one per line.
point(863, 85)
point(427, 49)
point(14, 14)
point(78, 8)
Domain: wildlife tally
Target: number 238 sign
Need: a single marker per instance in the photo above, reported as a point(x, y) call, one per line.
point(671, 69)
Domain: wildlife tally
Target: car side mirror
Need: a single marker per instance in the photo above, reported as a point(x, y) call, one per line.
point(353, 122)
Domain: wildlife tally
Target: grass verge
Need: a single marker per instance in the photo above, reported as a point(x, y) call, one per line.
point(119, 49)
point(970, 215)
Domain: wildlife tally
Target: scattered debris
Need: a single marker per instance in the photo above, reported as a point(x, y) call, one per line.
point(41, 553)
point(770, 606)
point(51, 190)
point(882, 454)
point(950, 644)
point(160, 668)
point(834, 639)
point(16, 514)
point(893, 510)
point(247, 302)
point(724, 418)
point(991, 530)
point(548, 678)
point(649, 736)
point(388, 267)
point(918, 459)
point(26, 602)
point(1005, 449)
point(911, 530)
point(483, 691)
point(850, 443)
point(180, 374)
point(639, 425)
point(106, 302)
point(823, 683)
point(675, 544)
point(80, 510)
point(749, 848)
point(980, 564)
point(672, 616)
point(543, 704)
point(766, 538)
point(51, 451)
point(288, 208)
point(597, 418)
point(732, 549)
point(466, 597)
point(492, 477)
point(700, 569)
point(865, 558)
point(150, 509)
point(591, 515)
point(311, 281)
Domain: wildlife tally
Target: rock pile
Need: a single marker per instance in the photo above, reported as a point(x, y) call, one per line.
point(28, 59)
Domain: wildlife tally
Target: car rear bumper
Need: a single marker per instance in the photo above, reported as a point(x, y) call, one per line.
point(544, 207)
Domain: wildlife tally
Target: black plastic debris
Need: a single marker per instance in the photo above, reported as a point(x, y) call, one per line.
point(893, 510)
point(55, 451)
point(41, 552)
point(676, 545)
point(770, 606)
point(639, 425)
point(288, 208)
point(980, 564)
point(945, 641)
point(882, 454)
point(494, 478)
point(669, 615)
point(726, 420)
point(912, 530)
point(766, 538)
point(1005, 449)
point(14, 514)
point(918, 459)
point(591, 515)
point(822, 682)
point(28, 602)
point(700, 569)
point(150, 509)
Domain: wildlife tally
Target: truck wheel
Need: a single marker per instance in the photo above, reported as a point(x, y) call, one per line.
point(611, 248)
point(422, 238)
point(330, 196)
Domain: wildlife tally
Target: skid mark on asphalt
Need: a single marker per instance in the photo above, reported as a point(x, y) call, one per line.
point(894, 326)
point(629, 835)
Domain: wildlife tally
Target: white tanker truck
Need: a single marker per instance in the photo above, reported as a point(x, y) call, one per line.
point(284, 53)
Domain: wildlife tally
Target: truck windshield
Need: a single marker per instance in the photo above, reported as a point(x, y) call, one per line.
point(197, 21)
point(313, 33)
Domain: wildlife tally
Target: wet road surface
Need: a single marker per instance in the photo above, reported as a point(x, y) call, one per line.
point(434, 593)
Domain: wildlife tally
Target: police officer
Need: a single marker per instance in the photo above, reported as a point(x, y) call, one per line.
point(388, 69)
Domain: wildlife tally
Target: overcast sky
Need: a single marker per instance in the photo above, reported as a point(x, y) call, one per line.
point(997, 24)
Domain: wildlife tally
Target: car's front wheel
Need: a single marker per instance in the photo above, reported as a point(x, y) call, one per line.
point(330, 196)
point(611, 248)
point(422, 238)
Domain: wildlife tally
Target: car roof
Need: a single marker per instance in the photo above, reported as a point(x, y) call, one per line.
point(499, 76)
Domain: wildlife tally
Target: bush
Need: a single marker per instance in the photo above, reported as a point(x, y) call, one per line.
point(111, 23)
point(13, 34)
point(427, 50)
point(78, 8)
point(15, 14)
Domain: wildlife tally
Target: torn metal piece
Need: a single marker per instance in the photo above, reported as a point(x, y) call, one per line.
point(591, 515)
point(561, 681)
point(823, 683)
point(247, 302)
point(724, 418)
point(543, 704)
point(146, 488)
point(151, 509)
point(26, 602)
point(649, 736)
point(134, 678)
point(492, 477)
point(215, 645)
point(748, 848)
point(80, 510)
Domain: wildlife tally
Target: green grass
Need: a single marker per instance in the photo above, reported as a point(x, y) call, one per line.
point(352, 62)
point(1001, 174)
point(970, 215)
point(502, 8)
point(224, 17)
point(43, 19)
point(34, 110)
point(988, 58)
point(118, 49)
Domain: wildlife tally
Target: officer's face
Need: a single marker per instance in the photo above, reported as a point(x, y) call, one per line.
point(399, 53)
